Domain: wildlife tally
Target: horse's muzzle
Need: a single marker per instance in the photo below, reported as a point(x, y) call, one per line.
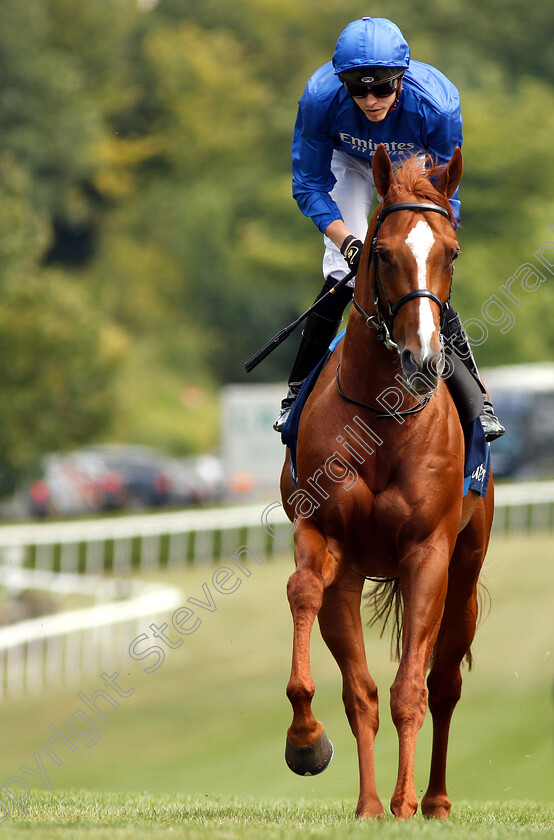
point(421, 374)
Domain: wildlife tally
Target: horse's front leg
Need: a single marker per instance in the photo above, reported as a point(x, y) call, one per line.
point(423, 583)
point(308, 750)
point(341, 628)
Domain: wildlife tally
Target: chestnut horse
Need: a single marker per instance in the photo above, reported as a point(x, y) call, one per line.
point(389, 504)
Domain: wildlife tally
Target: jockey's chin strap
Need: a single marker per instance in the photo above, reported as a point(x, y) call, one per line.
point(383, 322)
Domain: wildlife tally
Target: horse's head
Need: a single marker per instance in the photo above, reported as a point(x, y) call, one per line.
point(412, 253)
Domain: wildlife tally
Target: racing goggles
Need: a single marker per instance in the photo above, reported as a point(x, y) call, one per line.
point(359, 90)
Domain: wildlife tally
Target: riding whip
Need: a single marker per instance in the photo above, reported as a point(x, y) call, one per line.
point(278, 339)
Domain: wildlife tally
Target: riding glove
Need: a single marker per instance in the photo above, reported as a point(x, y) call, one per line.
point(351, 249)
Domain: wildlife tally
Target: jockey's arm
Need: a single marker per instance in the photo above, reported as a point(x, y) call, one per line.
point(337, 232)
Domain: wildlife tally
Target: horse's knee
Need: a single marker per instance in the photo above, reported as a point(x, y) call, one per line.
point(305, 590)
point(444, 690)
point(408, 703)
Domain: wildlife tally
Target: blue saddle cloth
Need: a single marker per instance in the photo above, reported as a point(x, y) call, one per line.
point(477, 462)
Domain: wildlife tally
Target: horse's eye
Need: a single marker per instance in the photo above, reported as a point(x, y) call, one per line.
point(455, 255)
point(382, 255)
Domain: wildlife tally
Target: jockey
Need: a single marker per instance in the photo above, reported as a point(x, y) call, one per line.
point(370, 93)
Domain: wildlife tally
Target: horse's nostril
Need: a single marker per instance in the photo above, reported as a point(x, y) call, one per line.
point(409, 363)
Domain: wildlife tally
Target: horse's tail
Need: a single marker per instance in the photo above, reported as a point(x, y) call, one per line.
point(483, 608)
point(385, 603)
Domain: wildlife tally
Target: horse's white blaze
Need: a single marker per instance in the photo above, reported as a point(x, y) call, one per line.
point(420, 240)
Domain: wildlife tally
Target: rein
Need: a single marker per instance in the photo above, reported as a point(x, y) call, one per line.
point(383, 323)
point(414, 410)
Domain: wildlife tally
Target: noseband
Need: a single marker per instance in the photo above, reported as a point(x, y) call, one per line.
point(381, 322)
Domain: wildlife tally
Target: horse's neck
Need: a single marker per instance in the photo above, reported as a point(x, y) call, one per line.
point(371, 374)
point(367, 367)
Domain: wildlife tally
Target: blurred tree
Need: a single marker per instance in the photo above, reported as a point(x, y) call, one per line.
point(47, 120)
point(148, 144)
point(55, 364)
point(56, 355)
point(210, 177)
point(471, 36)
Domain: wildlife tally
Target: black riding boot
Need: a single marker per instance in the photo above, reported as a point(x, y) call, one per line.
point(456, 337)
point(320, 328)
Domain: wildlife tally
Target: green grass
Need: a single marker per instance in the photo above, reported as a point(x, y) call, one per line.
point(93, 816)
point(210, 724)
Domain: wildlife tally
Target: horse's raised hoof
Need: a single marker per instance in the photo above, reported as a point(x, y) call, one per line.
point(309, 761)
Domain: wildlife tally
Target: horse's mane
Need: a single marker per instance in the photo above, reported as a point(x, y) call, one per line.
point(415, 176)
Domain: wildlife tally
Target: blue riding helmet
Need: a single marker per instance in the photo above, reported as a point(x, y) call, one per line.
point(370, 42)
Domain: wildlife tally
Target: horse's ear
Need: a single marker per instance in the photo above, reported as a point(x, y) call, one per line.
point(450, 177)
point(383, 176)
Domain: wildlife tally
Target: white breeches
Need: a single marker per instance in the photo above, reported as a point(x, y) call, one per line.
point(353, 193)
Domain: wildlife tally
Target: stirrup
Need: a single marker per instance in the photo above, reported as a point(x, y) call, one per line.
point(287, 404)
point(492, 426)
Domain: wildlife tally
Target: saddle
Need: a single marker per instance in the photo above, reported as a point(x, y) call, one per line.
point(467, 397)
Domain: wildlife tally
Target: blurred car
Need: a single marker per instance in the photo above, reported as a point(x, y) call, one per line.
point(196, 480)
point(110, 489)
point(99, 478)
point(523, 397)
point(118, 477)
point(138, 473)
point(63, 488)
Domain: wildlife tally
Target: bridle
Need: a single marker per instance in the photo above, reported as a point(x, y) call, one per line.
point(383, 322)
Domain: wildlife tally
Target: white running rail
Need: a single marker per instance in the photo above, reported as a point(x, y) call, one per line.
point(71, 557)
point(121, 544)
point(149, 540)
point(525, 506)
point(64, 646)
